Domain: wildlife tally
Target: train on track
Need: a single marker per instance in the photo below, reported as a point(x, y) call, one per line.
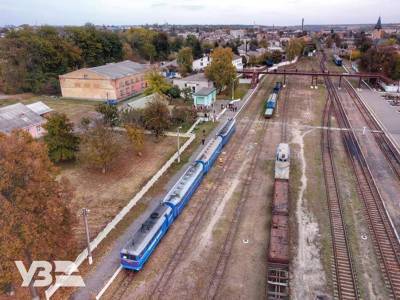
point(143, 242)
point(278, 250)
point(272, 101)
point(337, 60)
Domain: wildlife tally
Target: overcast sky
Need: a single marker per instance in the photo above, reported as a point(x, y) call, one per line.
point(263, 12)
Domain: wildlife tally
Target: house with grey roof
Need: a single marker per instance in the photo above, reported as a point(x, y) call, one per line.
point(205, 97)
point(19, 116)
point(111, 82)
point(195, 82)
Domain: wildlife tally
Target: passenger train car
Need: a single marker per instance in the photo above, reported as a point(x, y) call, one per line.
point(272, 101)
point(278, 249)
point(337, 60)
point(143, 242)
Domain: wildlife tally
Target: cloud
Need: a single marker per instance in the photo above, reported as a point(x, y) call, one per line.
point(190, 6)
point(159, 4)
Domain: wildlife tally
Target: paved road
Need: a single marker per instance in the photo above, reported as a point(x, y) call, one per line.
point(100, 274)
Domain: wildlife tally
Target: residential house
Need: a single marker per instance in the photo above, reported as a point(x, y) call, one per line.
point(111, 82)
point(238, 33)
point(237, 62)
point(40, 108)
point(19, 116)
point(195, 82)
point(205, 97)
point(201, 63)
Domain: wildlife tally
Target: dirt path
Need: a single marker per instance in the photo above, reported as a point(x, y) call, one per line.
point(308, 279)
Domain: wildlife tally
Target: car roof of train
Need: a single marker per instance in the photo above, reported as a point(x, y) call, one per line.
point(143, 236)
point(209, 148)
point(174, 191)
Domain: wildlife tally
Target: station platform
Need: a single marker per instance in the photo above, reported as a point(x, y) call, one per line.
point(386, 114)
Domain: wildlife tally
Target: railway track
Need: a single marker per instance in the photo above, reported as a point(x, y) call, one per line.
point(391, 154)
point(223, 259)
point(162, 283)
point(244, 195)
point(345, 279)
point(386, 244)
point(124, 285)
point(284, 114)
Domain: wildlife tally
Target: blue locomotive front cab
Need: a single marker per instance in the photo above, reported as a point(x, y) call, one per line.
point(137, 251)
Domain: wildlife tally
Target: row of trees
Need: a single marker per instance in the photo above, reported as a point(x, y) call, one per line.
point(98, 144)
point(31, 59)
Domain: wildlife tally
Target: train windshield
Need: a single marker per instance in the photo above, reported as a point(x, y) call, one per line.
point(131, 257)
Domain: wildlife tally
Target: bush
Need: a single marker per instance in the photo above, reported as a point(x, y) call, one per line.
point(156, 117)
point(131, 116)
point(174, 92)
point(182, 115)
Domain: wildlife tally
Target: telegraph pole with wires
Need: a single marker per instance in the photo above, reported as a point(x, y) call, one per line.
point(85, 213)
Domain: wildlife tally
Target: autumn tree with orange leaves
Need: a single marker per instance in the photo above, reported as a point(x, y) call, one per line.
point(35, 213)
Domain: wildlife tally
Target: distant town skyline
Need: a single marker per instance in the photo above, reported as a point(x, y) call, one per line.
point(125, 12)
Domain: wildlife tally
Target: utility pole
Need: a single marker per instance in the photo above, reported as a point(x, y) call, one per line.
point(233, 88)
point(85, 213)
point(179, 147)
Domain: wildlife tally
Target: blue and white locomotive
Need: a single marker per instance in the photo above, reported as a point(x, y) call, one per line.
point(143, 242)
point(337, 60)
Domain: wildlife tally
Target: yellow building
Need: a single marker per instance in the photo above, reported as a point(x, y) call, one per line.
point(111, 82)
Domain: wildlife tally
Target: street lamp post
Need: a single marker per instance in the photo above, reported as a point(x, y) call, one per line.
point(179, 147)
point(85, 213)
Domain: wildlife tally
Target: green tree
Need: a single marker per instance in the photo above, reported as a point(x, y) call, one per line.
point(187, 94)
point(221, 70)
point(110, 114)
point(141, 41)
point(161, 45)
point(294, 48)
point(156, 83)
point(36, 216)
point(193, 42)
point(174, 92)
point(98, 46)
point(61, 141)
point(156, 117)
point(99, 147)
point(185, 60)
